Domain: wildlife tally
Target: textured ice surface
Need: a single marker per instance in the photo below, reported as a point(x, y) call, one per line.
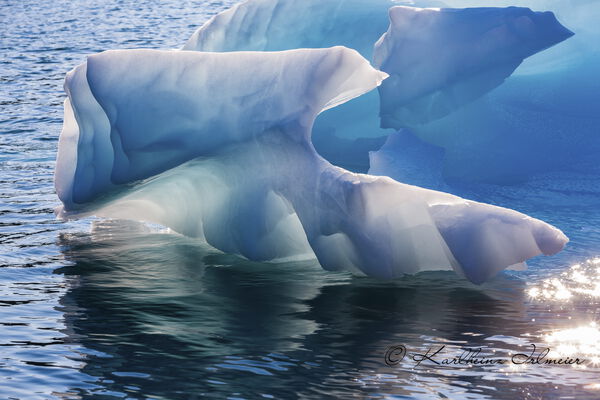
point(217, 146)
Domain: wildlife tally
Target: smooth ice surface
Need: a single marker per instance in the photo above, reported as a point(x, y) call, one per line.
point(544, 118)
point(126, 131)
point(439, 59)
point(217, 146)
point(442, 59)
point(271, 25)
point(547, 121)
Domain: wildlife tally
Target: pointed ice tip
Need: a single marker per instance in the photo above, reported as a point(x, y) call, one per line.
point(554, 31)
point(551, 241)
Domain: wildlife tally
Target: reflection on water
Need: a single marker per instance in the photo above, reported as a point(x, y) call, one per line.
point(580, 282)
point(581, 341)
point(158, 315)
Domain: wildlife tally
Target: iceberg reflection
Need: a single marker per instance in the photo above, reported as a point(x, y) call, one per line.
point(155, 311)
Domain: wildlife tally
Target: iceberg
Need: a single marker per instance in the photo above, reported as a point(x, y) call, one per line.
point(441, 59)
point(217, 146)
point(544, 118)
point(438, 59)
point(408, 159)
point(275, 25)
point(124, 131)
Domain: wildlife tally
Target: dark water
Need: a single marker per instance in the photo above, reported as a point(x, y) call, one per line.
point(109, 309)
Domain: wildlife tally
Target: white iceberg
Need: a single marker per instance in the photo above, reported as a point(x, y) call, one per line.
point(217, 146)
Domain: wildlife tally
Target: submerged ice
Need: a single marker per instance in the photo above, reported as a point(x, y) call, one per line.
point(217, 146)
